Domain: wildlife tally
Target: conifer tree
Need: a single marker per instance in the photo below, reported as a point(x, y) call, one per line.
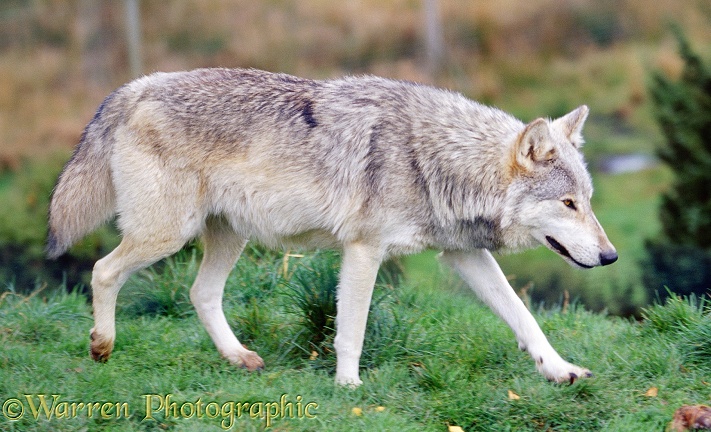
point(680, 258)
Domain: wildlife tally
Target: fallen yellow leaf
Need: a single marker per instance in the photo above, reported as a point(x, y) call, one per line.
point(357, 411)
point(313, 356)
point(379, 409)
point(513, 396)
point(455, 429)
point(652, 392)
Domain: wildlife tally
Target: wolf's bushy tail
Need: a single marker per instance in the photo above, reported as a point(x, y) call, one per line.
point(84, 196)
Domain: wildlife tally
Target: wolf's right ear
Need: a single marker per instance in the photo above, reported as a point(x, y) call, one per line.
point(534, 145)
point(572, 124)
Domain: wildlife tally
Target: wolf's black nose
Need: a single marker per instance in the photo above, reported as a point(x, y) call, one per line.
point(607, 258)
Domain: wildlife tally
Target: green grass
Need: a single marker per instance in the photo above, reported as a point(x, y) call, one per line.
point(433, 357)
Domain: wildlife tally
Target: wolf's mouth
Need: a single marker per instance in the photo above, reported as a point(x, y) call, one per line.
point(564, 252)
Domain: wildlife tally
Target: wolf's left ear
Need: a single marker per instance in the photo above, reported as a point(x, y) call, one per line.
point(572, 124)
point(534, 145)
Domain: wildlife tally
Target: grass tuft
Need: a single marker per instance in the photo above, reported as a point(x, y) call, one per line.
point(676, 314)
point(312, 296)
point(162, 290)
point(34, 318)
point(686, 321)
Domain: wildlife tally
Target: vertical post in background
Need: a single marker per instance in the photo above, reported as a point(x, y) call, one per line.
point(133, 35)
point(434, 39)
point(93, 32)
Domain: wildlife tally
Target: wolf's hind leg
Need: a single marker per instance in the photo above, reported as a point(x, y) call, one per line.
point(109, 275)
point(482, 273)
point(222, 248)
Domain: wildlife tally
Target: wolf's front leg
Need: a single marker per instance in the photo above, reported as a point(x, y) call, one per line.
point(355, 289)
point(483, 274)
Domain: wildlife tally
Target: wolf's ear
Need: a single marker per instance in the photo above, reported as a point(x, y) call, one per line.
point(534, 144)
point(572, 124)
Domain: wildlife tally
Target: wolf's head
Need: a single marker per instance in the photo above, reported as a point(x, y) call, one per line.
point(548, 200)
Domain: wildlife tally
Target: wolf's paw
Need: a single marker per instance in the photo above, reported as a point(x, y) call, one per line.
point(561, 371)
point(249, 360)
point(101, 347)
point(348, 381)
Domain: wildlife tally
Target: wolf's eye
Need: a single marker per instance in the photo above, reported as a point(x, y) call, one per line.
point(570, 204)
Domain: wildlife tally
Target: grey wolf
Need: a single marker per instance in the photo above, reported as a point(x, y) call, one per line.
point(372, 166)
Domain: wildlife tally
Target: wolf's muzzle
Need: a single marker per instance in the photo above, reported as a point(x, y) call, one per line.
point(564, 252)
point(606, 258)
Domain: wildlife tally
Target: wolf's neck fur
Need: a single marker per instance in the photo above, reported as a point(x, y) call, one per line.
point(468, 171)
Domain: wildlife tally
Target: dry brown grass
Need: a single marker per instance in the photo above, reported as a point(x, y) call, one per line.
point(522, 54)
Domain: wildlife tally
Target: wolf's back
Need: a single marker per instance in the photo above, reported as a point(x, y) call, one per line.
point(84, 197)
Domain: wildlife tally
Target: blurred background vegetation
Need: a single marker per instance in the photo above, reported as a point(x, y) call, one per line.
point(60, 58)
